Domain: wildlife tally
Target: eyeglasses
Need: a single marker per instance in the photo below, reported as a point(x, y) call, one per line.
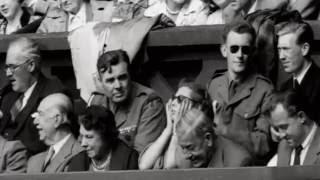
point(181, 98)
point(13, 67)
point(245, 49)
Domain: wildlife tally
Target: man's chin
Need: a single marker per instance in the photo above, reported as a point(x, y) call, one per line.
point(119, 99)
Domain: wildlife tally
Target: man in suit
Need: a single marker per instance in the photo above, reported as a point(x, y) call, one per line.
point(104, 150)
point(200, 145)
point(13, 156)
point(290, 114)
point(27, 87)
point(54, 120)
point(244, 91)
point(138, 110)
point(294, 45)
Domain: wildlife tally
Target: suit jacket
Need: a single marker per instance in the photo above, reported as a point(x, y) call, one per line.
point(13, 156)
point(313, 153)
point(229, 154)
point(24, 129)
point(309, 87)
point(60, 162)
point(122, 158)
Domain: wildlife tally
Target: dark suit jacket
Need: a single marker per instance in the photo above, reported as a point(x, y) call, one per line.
point(309, 87)
point(312, 157)
point(122, 158)
point(229, 154)
point(60, 162)
point(25, 130)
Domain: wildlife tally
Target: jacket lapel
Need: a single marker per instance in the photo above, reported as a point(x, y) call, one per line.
point(314, 149)
point(33, 101)
point(62, 156)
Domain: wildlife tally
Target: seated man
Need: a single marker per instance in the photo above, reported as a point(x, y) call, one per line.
point(138, 111)
point(13, 156)
point(293, 119)
point(200, 145)
point(244, 91)
point(104, 150)
point(27, 87)
point(55, 120)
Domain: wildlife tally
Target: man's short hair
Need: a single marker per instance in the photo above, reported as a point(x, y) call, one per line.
point(112, 58)
point(29, 49)
point(195, 121)
point(240, 27)
point(101, 120)
point(293, 101)
point(303, 31)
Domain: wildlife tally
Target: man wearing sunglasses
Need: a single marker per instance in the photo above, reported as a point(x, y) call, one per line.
point(27, 86)
point(243, 91)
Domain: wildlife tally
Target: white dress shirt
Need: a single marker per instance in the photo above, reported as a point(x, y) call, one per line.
point(27, 94)
point(299, 77)
point(57, 146)
point(305, 145)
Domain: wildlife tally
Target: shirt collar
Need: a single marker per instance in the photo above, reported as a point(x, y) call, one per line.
point(57, 146)
point(310, 136)
point(300, 76)
point(81, 15)
point(28, 93)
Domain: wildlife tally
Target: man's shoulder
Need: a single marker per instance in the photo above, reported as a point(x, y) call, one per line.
point(218, 77)
point(145, 92)
point(262, 82)
point(236, 154)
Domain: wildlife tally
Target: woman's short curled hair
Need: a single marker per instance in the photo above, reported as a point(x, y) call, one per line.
point(101, 120)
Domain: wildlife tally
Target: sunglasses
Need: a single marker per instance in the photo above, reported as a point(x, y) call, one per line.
point(181, 98)
point(245, 49)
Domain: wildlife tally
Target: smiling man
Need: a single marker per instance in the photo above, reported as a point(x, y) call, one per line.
point(139, 112)
point(54, 121)
point(242, 90)
point(28, 86)
point(203, 148)
point(292, 117)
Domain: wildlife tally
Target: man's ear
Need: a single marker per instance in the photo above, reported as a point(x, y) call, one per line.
point(302, 117)
point(31, 66)
point(305, 49)
point(223, 49)
point(208, 139)
point(59, 119)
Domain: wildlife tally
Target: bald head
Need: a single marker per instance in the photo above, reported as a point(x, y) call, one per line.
point(58, 101)
point(52, 118)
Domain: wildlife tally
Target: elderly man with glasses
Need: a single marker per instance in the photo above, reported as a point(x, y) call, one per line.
point(27, 87)
point(243, 92)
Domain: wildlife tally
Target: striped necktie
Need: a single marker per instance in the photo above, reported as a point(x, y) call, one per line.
point(16, 108)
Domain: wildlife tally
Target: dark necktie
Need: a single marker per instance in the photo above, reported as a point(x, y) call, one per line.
point(232, 89)
point(297, 155)
point(295, 84)
point(16, 108)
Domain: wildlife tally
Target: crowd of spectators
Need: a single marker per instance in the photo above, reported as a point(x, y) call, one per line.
point(45, 16)
point(238, 120)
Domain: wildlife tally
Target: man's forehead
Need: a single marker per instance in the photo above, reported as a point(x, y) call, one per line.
point(14, 55)
point(238, 38)
point(116, 70)
point(280, 115)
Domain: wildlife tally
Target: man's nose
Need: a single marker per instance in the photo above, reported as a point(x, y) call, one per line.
point(117, 84)
point(83, 142)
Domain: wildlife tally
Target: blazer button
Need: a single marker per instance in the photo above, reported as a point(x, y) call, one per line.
point(246, 115)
